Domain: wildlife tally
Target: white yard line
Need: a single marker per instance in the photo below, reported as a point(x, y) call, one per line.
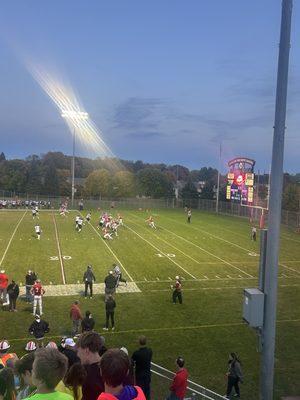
point(63, 275)
point(160, 251)
point(12, 236)
point(111, 251)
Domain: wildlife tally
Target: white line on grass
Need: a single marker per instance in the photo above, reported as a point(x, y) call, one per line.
point(12, 236)
point(59, 251)
point(156, 248)
point(115, 256)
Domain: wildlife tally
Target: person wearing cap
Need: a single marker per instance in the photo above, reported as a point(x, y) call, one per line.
point(110, 284)
point(114, 366)
point(141, 360)
point(76, 317)
point(69, 350)
point(51, 345)
point(38, 329)
point(38, 292)
point(30, 347)
point(13, 293)
point(3, 287)
point(4, 353)
point(179, 384)
point(177, 292)
point(88, 279)
point(118, 274)
point(30, 279)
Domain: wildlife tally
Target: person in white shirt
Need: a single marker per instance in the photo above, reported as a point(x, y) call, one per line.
point(38, 231)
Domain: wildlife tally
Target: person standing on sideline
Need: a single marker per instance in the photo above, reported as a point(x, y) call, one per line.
point(38, 329)
point(76, 317)
point(177, 292)
point(253, 233)
point(141, 359)
point(110, 306)
point(234, 375)
point(110, 284)
point(189, 215)
point(118, 274)
point(38, 292)
point(30, 278)
point(88, 279)
point(3, 287)
point(88, 323)
point(179, 384)
point(13, 293)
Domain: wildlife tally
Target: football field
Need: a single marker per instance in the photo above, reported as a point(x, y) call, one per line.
point(213, 255)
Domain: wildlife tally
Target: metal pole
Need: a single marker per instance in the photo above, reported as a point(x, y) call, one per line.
point(271, 273)
point(73, 169)
point(218, 184)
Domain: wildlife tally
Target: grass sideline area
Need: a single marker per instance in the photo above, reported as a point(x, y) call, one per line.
point(216, 259)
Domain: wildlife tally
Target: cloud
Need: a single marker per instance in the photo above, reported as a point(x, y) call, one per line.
point(138, 113)
point(145, 135)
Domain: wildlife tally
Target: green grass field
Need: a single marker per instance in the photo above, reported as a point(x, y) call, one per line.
point(216, 260)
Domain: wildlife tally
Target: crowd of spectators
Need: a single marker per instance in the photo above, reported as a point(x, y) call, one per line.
point(15, 204)
point(81, 370)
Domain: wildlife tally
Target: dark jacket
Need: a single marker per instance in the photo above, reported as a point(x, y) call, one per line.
point(110, 282)
point(142, 362)
point(30, 279)
point(110, 305)
point(71, 356)
point(13, 290)
point(38, 329)
point(87, 324)
point(235, 370)
point(88, 276)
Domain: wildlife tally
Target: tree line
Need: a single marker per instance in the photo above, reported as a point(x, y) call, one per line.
point(49, 175)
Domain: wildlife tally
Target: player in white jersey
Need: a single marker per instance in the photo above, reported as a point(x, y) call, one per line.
point(120, 220)
point(79, 224)
point(114, 227)
point(88, 217)
point(38, 231)
point(76, 221)
point(106, 234)
point(33, 213)
point(150, 222)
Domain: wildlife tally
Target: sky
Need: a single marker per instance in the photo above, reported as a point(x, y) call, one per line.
point(163, 80)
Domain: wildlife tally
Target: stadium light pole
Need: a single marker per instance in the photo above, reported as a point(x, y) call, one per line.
point(73, 117)
point(271, 271)
point(218, 183)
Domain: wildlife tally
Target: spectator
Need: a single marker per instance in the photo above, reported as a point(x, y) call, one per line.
point(13, 293)
point(179, 384)
point(49, 368)
point(23, 368)
point(4, 353)
point(73, 381)
point(129, 380)
point(3, 287)
point(30, 347)
point(30, 278)
point(234, 375)
point(114, 367)
point(88, 323)
point(38, 292)
point(38, 329)
point(69, 350)
point(88, 347)
point(110, 306)
point(88, 279)
point(110, 284)
point(141, 359)
point(51, 345)
point(7, 384)
point(76, 317)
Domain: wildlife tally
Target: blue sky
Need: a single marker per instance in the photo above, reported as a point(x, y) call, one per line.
point(165, 81)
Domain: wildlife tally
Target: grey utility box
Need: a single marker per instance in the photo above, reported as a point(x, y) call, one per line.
point(253, 307)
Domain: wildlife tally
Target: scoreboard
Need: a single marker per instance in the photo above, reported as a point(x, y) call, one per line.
point(240, 180)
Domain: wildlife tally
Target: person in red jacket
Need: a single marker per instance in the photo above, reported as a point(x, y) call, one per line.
point(3, 287)
point(179, 384)
point(114, 367)
point(76, 317)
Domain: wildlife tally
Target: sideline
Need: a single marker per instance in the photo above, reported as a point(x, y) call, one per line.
point(59, 251)
point(12, 236)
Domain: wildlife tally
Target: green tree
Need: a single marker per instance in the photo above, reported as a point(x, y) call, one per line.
point(154, 183)
point(98, 183)
point(189, 191)
point(123, 184)
point(291, 197)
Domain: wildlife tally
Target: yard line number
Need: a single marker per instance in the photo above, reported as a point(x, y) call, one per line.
point(55, 258)
point(170, 255)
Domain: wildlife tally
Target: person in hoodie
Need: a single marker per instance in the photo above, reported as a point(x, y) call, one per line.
point(88, 279)
point(179, 384)
point(38, 329)
point(114, 367)
point(13, 293)
point(88, 322)
point(3, 287)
